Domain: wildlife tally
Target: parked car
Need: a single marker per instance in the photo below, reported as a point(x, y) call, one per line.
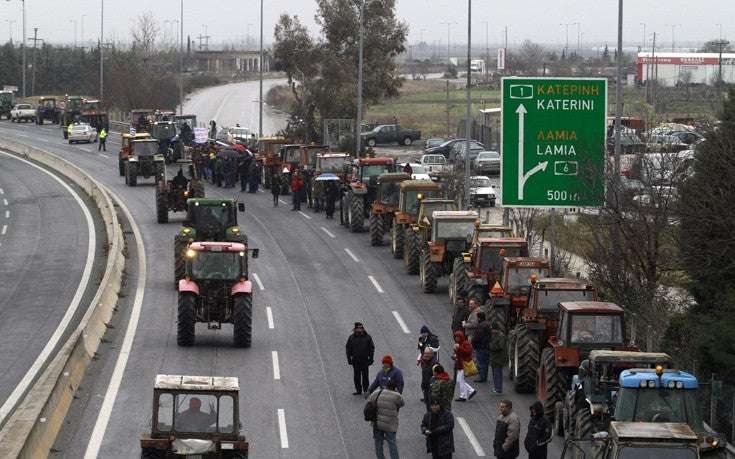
point(82, 133)
point(457, 154)
point(482, 193)
point(390, 133)
point(434, 163)
point(487, 162)
point(444, 149)
point(23, 112)
point(665, 143)
point(433, 142)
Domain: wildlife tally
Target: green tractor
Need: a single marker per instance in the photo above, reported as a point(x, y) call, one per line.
point(419, 232)
point(172, 195)
point(357, 200)
point(70, 110)
point(7, 102)
point(385, 205)
point(144, 161)
point(412, 192)
point(207, 219)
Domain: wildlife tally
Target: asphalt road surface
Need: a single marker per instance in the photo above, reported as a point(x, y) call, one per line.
point(48, 246)
point(314, 279)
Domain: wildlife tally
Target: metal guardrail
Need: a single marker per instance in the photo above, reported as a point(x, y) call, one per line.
point(119, 126)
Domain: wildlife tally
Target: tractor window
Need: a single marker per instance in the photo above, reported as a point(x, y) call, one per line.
point(145, 148)
point(163, 131)
point(49, 103)
point(548, 300)
point(196, 413)
point(659, 405)
point(519, 278)
point(165, 412)
point(602, 329)
point(213, 216)
point(216, 265)
point(390, 193)
point(369, 172)
point(454, 229)
point(491, 261)
point(332, 164)
point(291, 155)
point(410, 201)
point(662, 451)
point(226, 414)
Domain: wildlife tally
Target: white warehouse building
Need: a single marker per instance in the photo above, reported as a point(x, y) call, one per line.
point(671, 69)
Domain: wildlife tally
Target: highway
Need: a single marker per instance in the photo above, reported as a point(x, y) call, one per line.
point(314, 279)
point(49, 251)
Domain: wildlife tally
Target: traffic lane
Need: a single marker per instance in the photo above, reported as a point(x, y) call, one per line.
point(44, 243)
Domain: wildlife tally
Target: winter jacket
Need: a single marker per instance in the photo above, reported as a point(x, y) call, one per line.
point(276, 185)
point(389, 402)
point(498, 354)
point(441, 440)
point(463, 353)
point(426, 372)
point(296, 184)
point(460, 315)
point(481, 338)
point(442, 388)
point(360, 349)
point(382, 378)
point(507, 432)
point(539, 433)
point(470, 326)
point(431, 341)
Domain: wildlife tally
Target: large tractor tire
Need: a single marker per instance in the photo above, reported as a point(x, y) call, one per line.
point(131, 174)
point(558, 425)
point(412, 251)
point(583, 425)
point(376, 229)
point(242, 319)
point(357, 214)
point(180, 244)
point(343, 203)
point(498, 316)
point(186, 319)
point(150, 453)
point(160, 171)
point(121, 167)
point(459, 281)
point(525, 360)
point(161, 205)
point(428, 272)
point(551, 384)
point(397, 233)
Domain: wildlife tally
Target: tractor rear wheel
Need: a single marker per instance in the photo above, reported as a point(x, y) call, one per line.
point(121, 167)
point(186, 319)
point(460, 282)
point(411, 252)
point(150, 453)
point(428, 272)
point(397, 232)
point(242, 319)
point(550, 382)
point(180, 244)
point(357, 214)
point(497, 315)
point(343, 211)
point(131, 174)
point(161, 205)
point(558, 424)
point(376, 229)
point(476, 293)
point(525, 360)
point(583, 423)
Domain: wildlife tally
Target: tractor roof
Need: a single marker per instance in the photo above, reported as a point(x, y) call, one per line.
point(217, 246)
point(377, 161)
point(489, 227)
point(465, 215)
point(437, 201)
point(655, 431)
point(592, 307)
point(561, 283)
point(604, 356)
point(634, 377)
point(527, 262)
point(210, 201)
point(141, 110)
point(194, 383)
point(502, 241)
point(145, 140)
point(333, 155)
point(392, 177)
point(420, 185)
point(137, 136)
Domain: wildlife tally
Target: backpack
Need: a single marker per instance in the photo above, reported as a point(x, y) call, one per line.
point(370, 412)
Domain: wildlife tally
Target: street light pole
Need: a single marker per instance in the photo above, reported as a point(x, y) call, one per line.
point(358, 127)
point(102, 48)
point(181, 59)
point(10, 28)
point(81, 31)
point(260, 68)
point(566, 46)
point(468, 123)
point(619, 92)
point(643, 43)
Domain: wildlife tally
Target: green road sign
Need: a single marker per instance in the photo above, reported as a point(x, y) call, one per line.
point(553, 145)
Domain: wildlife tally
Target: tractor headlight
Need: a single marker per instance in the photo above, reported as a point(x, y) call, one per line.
point(651, 383)
point(186, 230)
point(679, 385)
point(242, 254)
point(671, 384)
point(190, 253)
point(235, 230)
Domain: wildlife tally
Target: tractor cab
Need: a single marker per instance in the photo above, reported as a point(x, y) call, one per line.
point(197, 416)
point(144, 160)
point(367, 170)
point(490, 252)
point(413, 192)
point(543, 301)
point(519, 274)
point(212, 219)
point(334, 163)
point(169, 144)
point(427, 207)
point(140, 119)
point(389, 190)
point(217, 261)
point(453, 228)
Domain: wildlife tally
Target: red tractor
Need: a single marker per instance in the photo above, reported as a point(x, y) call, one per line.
point(361, 190)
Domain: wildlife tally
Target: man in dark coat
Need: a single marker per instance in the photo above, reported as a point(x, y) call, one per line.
point(539, 432)
point(498, 357)
point(481, 344)
point(427, 340)
point(461, 313)
point(275, 187)
point(331, 194)
point(438, 427)
point(427, 362)
point(242, 170)
point(360, 353)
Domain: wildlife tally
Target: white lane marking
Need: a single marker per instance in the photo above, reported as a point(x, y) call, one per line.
point(352, 255)
point(100, 426)
point(5, 202)
point(88, 150)
point(276, 367)
point(2, 191)
point(7, 214)
point(282, 201)
point(401, 323)
point(328, 233)
point(305, 216)
point(103, 155)
point(282, 428)
point(53, 341)
point(257, 281)
point(376, 285)
point(269, 314)
point(5, 230)
point(471, 436)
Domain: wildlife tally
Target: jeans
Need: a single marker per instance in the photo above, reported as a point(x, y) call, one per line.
point(482, 357)
point(390, 437)
point(498, 378)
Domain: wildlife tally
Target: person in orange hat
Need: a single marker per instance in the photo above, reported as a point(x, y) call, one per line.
point(389, 372)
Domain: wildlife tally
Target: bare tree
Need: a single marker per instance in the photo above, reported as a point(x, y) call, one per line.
point(145, 33)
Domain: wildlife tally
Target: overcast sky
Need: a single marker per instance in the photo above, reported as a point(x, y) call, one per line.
point(537, 20)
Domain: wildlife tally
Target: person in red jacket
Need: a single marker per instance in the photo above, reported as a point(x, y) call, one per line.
point(462, 354)
point(297, 184)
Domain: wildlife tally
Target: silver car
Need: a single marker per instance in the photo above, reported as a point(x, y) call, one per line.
point(487, 162)
point(82, 133)
point(482, 193)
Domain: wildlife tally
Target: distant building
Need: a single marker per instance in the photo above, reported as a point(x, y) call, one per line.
point(672, 69)
point(230, 61)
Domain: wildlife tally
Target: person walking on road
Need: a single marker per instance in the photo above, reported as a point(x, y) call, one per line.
point(507, 432)
point(539, 432)
point(388, 400)
point(388, 373)
point(242, 171)
point(461, 312)
point(360, 352)
point(331, 193)
point(438, 428)
point(275, 187)
point(462, 354)
point(470, 325)
point(427, 340)
point(297, 183)
point(481, 344)
point(427, 362)
point(103, 140)
point(498, 357)
point(442, 388)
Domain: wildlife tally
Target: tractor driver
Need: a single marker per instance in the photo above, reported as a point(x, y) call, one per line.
point(194, 419)
point(582, 330)
point(179, 181)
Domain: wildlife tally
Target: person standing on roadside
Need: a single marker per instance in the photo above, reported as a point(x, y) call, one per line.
point(498, 356)
point(297, 184)
point(539, 432)
point(243, 167)
point(360, 351)
point(103, 140)
point(331, 193)
point(481, 345)
point(427, 362)
point(470, 325)
point(461, 312)
point(462, 354)
point(427, 340)
point(442, 387)
point(438, 428)
point(275, 187)
point(388, 400)
point(389, 372)
point(507, 432)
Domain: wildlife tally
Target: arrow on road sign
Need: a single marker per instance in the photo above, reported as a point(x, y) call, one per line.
point(523, 177)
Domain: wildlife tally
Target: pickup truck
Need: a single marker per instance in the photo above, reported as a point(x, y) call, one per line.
point(23, 112)
point(435, 164)
point(389, 133)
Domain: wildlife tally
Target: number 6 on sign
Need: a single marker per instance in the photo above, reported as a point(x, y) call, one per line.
point(565, 168)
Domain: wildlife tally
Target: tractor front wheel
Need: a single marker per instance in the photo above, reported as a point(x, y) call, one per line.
point(583, 424)
point(121, 167)
point(376, 229)
point(357, 214)
point(242, 319)
point(428, 272)
point(186, 319)
point(525, 360)
point(180, 244)
point(550, 382)
point(411, 252)
point(161, 205)
point(131, 174)
point(396, 240)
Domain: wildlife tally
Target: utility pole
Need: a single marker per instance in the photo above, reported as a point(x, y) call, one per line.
point(10, 28)
point(673, 36)
point(33, 73)
point(74, 21)
point(487, 49)
point(579, 36)
point(81, 32)
point(468, 122)
point(654, 73)
point(102, 47)
point(358, 127)
point(566, 46)
point(260, 68)
point(643, 43)
point(721, 44)
point(181, 58)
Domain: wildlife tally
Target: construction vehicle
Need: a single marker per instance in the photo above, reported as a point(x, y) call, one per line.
point(451, 233)
point(207, 219)
point(477, 270)
point(384, 205)
point(70, 111)
point(7, 102)
point(583, 326)
point(216, 290)
point(47, 110)
point(169, 144)
point(172, 195)
point(360, 190)
point(195, 416)
point(143, 160)
point(269, 158)
point(637, 440)
point(536, 322)
point(412, 192)
point(422, 226)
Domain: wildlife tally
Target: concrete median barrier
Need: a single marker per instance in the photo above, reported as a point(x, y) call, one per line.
point(31, 429)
